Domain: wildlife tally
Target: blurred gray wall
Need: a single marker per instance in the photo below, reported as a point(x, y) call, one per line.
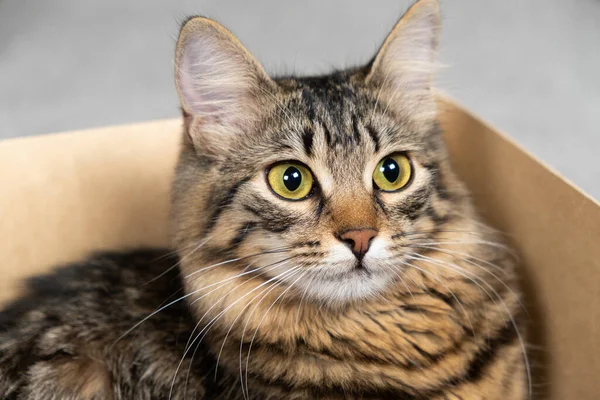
point(531, 67)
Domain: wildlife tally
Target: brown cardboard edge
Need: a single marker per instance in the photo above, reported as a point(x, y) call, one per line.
point(445, 99)
point(556, 230)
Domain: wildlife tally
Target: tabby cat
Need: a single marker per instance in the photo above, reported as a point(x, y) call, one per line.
point(324, 250)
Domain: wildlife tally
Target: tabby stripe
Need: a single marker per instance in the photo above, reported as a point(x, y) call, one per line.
point(431, 358)
point(242, 234)
point(431, 167)
point(309, 101)
point(375, 357)
point(440, 188)
point(324, 353)
point(425, 235)
point(415, 332)
point(374, 320)
point(381, 205)
point(223, 204)
point(320, 207)
point(310, 243)
point(374, 136)
point(431, 213)
point(449, 300)
point(307, 139)
point(355, 129)
point(411, 206)
point(486, 356)
point(411, 308)
point(328, 137)
point(335, 390)
point(272, 219)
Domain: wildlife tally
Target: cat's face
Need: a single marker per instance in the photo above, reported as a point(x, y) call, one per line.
point(319, 183)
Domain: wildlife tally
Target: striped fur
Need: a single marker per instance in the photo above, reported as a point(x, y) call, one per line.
point(434, 314)
point(278, 306)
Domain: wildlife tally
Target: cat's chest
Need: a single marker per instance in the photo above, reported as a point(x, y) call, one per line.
point(388, 344)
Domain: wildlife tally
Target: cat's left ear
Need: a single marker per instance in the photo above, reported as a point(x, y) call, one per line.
point(219, 82)
point(405, 65)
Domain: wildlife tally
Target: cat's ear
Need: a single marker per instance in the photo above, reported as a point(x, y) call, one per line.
point(218, 81)
point(405, 65)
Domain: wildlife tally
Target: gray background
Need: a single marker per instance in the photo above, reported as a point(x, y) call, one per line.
point(531, 67)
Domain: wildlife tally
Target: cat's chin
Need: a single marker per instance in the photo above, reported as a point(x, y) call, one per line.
point(356, 284)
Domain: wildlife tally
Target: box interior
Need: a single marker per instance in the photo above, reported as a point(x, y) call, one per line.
point(66, 195)
point(555, 229)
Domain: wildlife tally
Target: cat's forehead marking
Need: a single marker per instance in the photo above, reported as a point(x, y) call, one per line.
point(335, 138)
point(343, 134)
point(332, 107)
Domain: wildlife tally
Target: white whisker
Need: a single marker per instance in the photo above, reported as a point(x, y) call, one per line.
point(302, 274)
point(215, 319)
point(178, 263)
point(437, 279)
point(466, 274)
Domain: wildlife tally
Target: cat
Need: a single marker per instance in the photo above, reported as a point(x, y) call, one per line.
point(324, 249)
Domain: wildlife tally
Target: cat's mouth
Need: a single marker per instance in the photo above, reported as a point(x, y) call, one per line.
point(347, 281)
point(361, 269)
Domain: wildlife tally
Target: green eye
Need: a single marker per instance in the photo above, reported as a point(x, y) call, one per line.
point(392, 173)
point(290, 180)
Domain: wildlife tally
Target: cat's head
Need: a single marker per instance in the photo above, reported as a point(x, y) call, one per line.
point(318, 183)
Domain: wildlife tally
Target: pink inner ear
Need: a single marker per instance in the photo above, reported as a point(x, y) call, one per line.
point(211, 81)
point(409, 61)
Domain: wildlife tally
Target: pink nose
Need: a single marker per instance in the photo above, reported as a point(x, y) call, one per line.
point(359, 240)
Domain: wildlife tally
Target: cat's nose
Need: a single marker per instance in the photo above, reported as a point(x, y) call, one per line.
point(359, 240)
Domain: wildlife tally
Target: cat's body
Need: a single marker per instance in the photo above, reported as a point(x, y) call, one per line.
point(326, 250)
point(64, 340)
point(61, 340)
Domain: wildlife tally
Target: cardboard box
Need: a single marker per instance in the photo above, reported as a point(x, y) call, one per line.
point(65, 195)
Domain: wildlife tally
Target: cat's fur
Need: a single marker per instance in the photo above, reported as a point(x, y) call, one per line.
point(265, 290)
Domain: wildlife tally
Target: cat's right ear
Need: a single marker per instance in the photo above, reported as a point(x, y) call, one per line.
point(220, 84)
